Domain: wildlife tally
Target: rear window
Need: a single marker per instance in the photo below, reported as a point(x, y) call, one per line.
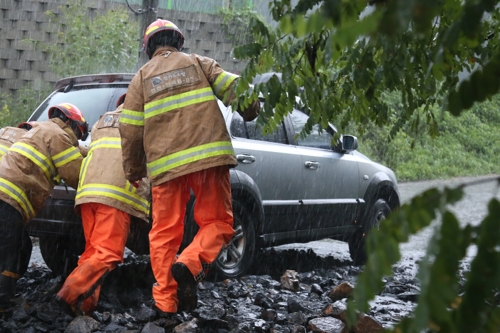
point(92, 101)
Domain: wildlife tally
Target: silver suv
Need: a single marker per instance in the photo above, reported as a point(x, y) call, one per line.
point(285, 189)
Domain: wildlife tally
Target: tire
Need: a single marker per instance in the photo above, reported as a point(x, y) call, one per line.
point(235, 260)
point(357, 242)
point(26, 249)
point(61, 253)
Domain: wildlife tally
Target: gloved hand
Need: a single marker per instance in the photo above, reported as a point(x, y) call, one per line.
point(135, 183)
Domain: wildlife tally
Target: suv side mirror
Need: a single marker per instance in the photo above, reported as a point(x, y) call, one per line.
point(349, 143)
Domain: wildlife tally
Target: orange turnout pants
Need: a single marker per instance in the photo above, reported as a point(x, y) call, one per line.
point(106, 230)
point(213, 214)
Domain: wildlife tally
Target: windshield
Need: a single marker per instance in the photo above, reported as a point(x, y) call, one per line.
point(92, 101)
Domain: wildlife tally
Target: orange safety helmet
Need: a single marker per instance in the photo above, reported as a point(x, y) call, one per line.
point(157, 26)
point(26, 125)
point(72, 113)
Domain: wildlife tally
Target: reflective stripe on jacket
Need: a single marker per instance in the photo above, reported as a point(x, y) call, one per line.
point(171, 123)
point(36, 162)
point(9, 135)
point(101, 177)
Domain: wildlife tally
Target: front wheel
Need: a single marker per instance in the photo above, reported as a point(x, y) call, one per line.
point(235, 259)
point(357, 242)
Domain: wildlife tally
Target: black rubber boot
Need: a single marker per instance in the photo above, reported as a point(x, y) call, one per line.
point(7, 291)
point(186, 291)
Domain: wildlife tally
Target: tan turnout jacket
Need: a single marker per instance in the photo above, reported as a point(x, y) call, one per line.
point(9, 135)
point(101, 177)
point(40, 159)
point(171, 123)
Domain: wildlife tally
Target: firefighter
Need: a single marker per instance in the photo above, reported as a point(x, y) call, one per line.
point(43, 157)
point(9, 135)
point(106, 202)
point(172, 129)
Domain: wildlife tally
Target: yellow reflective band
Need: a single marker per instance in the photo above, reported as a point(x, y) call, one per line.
point(189, 155)
point(222, 82)
point(116, 193)
point(132, 117)
point(107, 142)
point(3, 149)
point(83, 167)
point(66, 156)
point(178, 101)
point(18, 195)
point(36, 157)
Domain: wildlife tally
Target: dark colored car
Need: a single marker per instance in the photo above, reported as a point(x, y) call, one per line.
point(285, 189)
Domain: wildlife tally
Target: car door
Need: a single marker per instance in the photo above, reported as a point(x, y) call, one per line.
point(276, 168)
point(331, 183)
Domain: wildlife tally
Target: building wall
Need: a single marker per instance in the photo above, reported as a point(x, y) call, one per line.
point(20, 63)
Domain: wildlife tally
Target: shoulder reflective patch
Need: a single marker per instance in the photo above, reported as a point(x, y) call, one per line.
point(171, 80)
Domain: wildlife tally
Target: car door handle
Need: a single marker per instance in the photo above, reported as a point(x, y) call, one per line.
point(245, 158)
point(313, 165)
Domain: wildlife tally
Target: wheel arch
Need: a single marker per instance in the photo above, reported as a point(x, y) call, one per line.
point(245, 190)
point(381, 187)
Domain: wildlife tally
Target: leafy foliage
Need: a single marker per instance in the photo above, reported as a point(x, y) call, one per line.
point(105, 43)
point(16, 109)
point(347, 62)
point(235, 25)
point(345, 56)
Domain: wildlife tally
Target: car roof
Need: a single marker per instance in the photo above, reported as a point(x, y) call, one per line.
point(95, 78)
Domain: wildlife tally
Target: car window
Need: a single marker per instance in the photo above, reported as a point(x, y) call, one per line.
point(315, 139)
point(92, 102)
point(252, 130)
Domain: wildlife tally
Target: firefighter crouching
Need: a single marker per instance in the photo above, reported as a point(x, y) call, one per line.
point(106, 201)
point(44, 156)
point(173, 130)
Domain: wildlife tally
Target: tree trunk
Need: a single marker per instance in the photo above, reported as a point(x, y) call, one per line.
point(150, 7)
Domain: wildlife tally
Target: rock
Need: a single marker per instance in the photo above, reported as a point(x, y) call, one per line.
point(297, 318)
point(152, 328)
point(335, 310)
point(326, 325)
point(316, 288)
point(114, 327)
point(269, 315)
point(187, 327)
point(290, 280)
point(367, 324)
point(263, 301)
point(82, 324)
point(341, 291)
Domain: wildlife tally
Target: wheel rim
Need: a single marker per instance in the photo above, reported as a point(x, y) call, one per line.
point(231, 255)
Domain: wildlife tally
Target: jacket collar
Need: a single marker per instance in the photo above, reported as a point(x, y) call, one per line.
point(163, 50)
point(67, 129)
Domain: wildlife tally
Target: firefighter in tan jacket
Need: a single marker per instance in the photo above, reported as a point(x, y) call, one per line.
point(106, 201)
point(172, 128)
point(9, 135)
point(43, 157)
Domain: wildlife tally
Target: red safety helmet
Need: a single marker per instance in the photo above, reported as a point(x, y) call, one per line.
point(121, 100)
point(26, 125)
point(157, 26)
point(72, 113)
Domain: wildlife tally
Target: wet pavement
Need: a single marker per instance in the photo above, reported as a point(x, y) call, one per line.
point(259, 302)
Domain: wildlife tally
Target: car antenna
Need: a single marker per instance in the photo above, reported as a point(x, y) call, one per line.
point(69, 86)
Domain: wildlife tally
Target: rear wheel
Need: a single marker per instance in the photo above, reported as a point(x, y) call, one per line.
point(357, 243)
point(61, 253)
point(235, 260)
